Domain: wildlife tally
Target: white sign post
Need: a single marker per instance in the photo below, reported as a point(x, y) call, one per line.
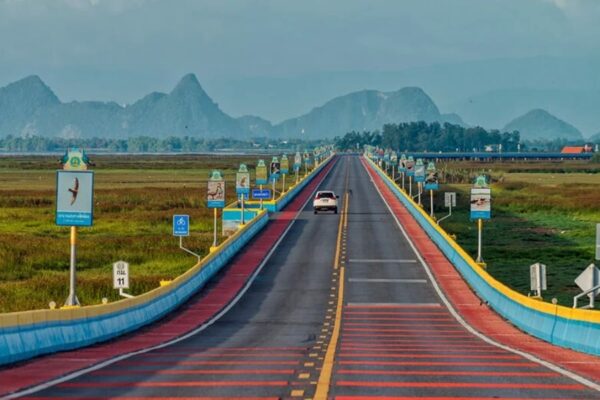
point(121, 277)
point(589, 282)
point(537, 274)
point(449, 202)
point(597, 242)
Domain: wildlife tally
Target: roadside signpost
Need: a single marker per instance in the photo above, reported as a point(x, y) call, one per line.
point(394, 161)
point(410, 172)
point(261, 194)
point(297, 164)
point(419, 178)
point(589, 282)
point(121, 278)
point(431, 184)
point(181, 225)
point(274, 171)
point(74, 206)
point(261, 177)
point(216, 199)
point(307, 162)
point(598, 242)
point(285, 169)
point(449, 202)
point(481, 201)
point(402, 168)
point(242, 186)
point(537, 274)
point(181, 228)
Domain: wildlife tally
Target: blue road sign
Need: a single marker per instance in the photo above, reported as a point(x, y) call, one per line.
point(181, 225)
point(264, 194)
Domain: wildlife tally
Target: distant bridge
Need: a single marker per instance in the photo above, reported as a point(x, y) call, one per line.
point(485, 156)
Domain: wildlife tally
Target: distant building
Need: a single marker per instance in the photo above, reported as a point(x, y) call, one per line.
point(577, 149)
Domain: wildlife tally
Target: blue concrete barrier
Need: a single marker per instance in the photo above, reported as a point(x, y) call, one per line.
point(572, 328)
point(28, 334)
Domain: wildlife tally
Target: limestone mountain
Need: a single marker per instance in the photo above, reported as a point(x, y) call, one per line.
point(29, 107)
point(539, 124)
point(362, 110)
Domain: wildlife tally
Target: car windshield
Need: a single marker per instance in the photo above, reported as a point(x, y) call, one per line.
point(325, 195)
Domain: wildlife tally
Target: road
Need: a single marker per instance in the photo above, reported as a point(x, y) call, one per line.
point(343, 308)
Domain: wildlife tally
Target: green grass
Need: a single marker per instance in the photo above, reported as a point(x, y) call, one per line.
point(536, 217)
point(135, 198)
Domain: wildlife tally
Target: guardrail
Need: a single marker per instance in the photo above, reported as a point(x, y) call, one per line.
point(563, 326)
point(27, 334)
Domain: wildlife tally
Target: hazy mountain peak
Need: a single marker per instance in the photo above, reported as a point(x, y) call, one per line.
point(188, 82)
point(539, 124)
point(32, 87)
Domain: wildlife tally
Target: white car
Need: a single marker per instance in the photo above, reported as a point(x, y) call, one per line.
point(325, 200)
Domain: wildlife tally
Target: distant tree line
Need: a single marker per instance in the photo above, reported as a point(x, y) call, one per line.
point(422, 136)
point(434, 137)
point(146, 144)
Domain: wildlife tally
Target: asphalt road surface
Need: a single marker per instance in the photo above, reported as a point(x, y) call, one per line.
point(396, 338)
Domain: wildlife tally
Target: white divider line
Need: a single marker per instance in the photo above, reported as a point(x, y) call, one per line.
point(382, 261)
point(382, 280)
point(233, 302)
point(457, 316)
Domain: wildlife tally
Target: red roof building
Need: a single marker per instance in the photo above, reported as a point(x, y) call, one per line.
point(576, 149)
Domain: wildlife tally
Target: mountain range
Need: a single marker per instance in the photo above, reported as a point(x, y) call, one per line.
point(29, 107)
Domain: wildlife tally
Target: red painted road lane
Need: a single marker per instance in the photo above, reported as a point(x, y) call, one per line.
point(544, 386)
point(195, 383)
point(442, 398)
point(469, 306)
point(443, 373)
point(131, 372)
point(193, 314)
point(155, 398)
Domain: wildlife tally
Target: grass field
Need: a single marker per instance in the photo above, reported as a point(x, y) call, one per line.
point(542, 212)
point(135, 198)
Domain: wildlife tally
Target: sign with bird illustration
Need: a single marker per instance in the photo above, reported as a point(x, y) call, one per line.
point(74, 198)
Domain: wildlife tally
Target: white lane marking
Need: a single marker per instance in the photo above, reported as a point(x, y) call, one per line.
point(376, 261)
point(122, 357)
point(382, 280)
point(468, 327)
point(394, 305)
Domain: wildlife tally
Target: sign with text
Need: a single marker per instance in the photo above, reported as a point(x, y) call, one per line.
point(121, 275)
point(432, 181)
point(285, 165)
point(261, 194)
point(181, 225)
point(481, 203)
point(274, 170)
point(297, 161)
point(261, 173)
point(419, 173)
point(410, 167)
point(242, 183)
point(216, 194)
point(74, 198)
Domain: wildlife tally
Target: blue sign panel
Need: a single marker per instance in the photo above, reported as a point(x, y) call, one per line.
point(181, 225)
point(264, 194)
point(74, 198)
point(432, 185)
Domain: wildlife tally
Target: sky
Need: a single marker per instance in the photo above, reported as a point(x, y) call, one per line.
point(123, 49)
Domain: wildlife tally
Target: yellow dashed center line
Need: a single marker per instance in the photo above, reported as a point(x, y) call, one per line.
point(324, 381)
